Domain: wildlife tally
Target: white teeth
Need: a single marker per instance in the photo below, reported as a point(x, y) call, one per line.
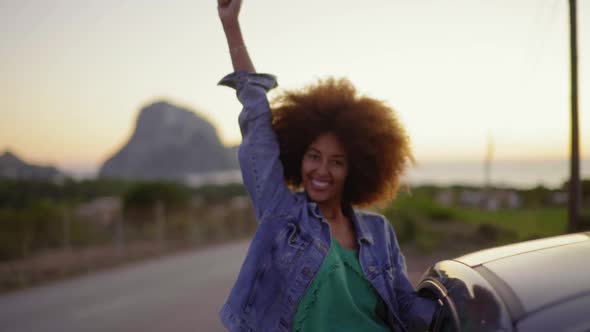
point(321, 184)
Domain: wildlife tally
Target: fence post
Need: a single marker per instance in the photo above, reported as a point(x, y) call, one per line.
point(66, 219)
point(119, 233)
point(160, 216)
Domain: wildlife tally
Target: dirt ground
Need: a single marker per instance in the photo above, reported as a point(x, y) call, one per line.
point(417, 262)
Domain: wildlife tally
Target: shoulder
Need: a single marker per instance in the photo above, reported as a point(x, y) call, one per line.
point(375, 222)
point(372, 217)
point(377, 228)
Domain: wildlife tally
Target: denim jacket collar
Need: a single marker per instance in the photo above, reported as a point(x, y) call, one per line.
point(362, 232)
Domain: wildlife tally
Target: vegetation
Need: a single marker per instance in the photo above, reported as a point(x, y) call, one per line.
point(150, 218)
point(21, 194)
point(46, 219)
point(526, 224)
point(418, 217)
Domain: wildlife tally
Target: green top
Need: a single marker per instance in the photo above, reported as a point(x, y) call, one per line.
point(340, 298)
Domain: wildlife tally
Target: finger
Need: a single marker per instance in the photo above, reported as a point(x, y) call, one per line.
point(236, 4)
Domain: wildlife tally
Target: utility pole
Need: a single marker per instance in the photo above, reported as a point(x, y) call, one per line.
point(574, 182)
point(487, 171)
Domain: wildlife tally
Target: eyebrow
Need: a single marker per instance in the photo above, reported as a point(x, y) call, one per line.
point(333, 156)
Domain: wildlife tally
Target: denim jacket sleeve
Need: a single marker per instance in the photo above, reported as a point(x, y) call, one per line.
point(258, 153)
point(416, 312)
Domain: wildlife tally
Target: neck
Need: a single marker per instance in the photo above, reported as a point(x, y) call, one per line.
point(333, 212)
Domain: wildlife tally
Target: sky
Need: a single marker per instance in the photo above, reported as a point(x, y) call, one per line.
point(460, 73)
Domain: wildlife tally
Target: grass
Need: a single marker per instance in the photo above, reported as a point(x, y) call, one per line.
point(419, 218)
point(525, 223)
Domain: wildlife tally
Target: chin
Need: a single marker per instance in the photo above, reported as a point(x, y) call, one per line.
point(319, 197)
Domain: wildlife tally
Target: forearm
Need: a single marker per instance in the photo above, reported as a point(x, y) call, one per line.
point(413, 310)
point(237, 47)
point(258, 154)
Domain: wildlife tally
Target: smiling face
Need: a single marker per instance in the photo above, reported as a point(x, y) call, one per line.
point(324, 168)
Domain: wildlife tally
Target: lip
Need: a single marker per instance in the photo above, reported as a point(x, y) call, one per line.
point(319, 184)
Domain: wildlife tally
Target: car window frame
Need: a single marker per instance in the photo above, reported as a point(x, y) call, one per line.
point(433, 289)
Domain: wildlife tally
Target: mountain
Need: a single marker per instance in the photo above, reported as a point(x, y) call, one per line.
point(169, 142)
point(13, 167)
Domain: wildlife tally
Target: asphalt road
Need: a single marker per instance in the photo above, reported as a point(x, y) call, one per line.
point(176, 293)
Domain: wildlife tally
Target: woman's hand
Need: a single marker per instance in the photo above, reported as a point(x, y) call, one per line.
point(229, 10)
point(228, 13)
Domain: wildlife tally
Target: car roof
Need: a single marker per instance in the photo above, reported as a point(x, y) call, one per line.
point(534, 275)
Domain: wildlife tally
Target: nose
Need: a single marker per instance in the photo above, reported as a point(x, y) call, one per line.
point(323, 168)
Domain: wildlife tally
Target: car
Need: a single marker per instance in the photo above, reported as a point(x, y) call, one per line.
point(538, 285)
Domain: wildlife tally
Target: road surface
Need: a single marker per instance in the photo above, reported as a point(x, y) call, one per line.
point(177, 293)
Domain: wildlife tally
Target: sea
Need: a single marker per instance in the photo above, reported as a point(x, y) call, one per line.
point(519, 174)
point(522, 174)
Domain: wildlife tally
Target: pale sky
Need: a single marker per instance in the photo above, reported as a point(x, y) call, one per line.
point(74, 73)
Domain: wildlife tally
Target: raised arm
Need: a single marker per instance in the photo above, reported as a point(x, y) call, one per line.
point(229, 10)
point(258, 153)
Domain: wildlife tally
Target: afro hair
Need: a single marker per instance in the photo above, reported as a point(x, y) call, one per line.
point(376, 143)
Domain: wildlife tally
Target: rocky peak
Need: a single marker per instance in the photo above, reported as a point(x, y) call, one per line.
point(11, 166)
point(169, 142)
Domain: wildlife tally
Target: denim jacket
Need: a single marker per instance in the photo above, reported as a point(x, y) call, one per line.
point(293, 238)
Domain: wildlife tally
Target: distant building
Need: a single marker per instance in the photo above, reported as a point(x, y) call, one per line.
point(103, 210)
point(559, 198)
point(471, 198)
point(213, 178)
point(446, 197)
point(480, 198)
point(499, 199)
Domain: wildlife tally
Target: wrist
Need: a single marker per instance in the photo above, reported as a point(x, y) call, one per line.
point(230, 23)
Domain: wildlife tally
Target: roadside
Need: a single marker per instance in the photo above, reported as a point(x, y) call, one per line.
point(55, 265)
point(417, 261)
point(52, 266)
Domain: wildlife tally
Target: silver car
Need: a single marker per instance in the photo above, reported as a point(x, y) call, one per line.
point(539, 285)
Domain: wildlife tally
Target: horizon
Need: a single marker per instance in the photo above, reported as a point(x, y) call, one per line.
point(516, 174)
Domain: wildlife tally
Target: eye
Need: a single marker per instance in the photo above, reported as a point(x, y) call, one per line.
point(338, 162)
point(313, 156)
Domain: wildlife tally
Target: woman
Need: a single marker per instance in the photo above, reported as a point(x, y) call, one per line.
point(315, 263)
